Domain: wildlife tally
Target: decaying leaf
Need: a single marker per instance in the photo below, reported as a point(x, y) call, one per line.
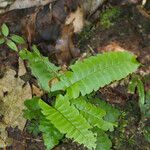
point(77, 19)
point(113, 46)
point(4, 140)
point(22, 69)
point(13, 92)
point(29, 26)
point(37, 91)
point(65, 49)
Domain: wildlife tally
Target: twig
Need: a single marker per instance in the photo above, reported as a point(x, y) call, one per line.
point(91, 49)
point(37, 140)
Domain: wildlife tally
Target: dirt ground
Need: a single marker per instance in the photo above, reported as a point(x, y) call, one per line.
point(125, 33)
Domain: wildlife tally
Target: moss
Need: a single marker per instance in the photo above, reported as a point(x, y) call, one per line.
point(85, 35)
point(109, 16)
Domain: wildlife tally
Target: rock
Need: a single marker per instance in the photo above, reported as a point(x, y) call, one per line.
point(6, 5)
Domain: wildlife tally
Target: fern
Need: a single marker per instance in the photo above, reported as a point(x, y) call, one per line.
point(93, 114)
point(146, 107)
point(112, 113)
point(137, 82)
point(144, 103)
point(95, 72)
point(67, 119)
point(103, 141)
point(33, 113)
point(146, 116)
point(74, 116)
point(40, 66)
point(51, 135)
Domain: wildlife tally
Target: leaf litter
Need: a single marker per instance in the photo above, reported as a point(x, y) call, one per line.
point(13, 92)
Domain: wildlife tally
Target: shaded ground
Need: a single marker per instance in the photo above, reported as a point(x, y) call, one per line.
point(127, 34)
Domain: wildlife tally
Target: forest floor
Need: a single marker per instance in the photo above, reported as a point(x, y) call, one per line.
point(121, 33)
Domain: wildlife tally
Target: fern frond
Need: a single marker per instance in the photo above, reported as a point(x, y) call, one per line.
point(112, 114)
point(136, 82)
point(95, 72)
point(40, 66)
point(94, 115)
point(51, 135)
point(103, 141)
point(67, 119)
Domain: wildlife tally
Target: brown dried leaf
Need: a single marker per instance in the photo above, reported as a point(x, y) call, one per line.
point(53, 81)
point(113, 46)
point(29, 27)
point(77, 19)
point(37, 91)
point(63, 45)
point(13, 93)
point(22, 69)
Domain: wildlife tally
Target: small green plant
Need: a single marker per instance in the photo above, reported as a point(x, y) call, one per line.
point(108, 16)
point(39, 124)
point(10, 40)
point(136, 84)
point(74, 114)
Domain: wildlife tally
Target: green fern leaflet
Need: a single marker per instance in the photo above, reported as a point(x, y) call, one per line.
point(94, 115)
point(95, 72)
point(40, 66)
point(67, 119)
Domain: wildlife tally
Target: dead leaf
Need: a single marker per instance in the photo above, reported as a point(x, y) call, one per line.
point(113, 46)
point(53, 81)
point(37, 91)
point(4, 140)
point(13, 93)
point(22, 69)
point(77, 19)
point(28, 26)
point(65, 49)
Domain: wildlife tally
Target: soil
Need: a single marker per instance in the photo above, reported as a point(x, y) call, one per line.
point(125, 33)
